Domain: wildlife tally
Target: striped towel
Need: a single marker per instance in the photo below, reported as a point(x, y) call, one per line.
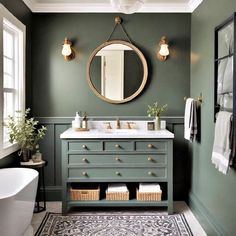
point(190, 120)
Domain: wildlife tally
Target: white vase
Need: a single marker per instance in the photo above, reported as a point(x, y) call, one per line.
point(157, 123)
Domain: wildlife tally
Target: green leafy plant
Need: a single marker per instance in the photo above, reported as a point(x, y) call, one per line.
point(24, 131)
point(155, 109)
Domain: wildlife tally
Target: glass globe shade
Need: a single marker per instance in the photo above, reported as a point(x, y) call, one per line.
point(127, 6)
point(164, 51)
point(66, 50)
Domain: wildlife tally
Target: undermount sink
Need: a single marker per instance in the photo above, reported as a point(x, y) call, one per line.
point(120, 131)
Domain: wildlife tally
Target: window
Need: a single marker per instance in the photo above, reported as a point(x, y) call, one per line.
point(12, 73)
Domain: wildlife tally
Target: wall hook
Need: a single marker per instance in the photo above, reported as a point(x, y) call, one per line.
point(200, 98)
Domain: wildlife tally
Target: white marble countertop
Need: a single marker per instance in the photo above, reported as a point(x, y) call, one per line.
point(113, 133)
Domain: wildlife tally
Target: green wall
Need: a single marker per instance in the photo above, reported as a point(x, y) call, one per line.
point(60, 88)
point(57, 88)
point(20, 11)
point(212, 194)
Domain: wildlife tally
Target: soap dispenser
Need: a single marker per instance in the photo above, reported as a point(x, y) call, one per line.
point(77, 121)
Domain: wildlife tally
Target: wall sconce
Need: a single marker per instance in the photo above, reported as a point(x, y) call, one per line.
point(163, 53)
point(67, 50)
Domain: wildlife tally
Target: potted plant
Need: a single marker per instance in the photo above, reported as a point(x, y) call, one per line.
point(155, 110)
point(23, 130)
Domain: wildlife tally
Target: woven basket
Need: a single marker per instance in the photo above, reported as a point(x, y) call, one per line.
point(117, 196)
point(85, 194)
point(148, 196)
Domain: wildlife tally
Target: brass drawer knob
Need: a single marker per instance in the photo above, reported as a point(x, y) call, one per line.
point(150, 159)
point(150, 145)
point(117, 145)
point(85, 173)
point(118, 173)
point(85, 160)
point(150, 173)
point(118, 159)
point(84, 146)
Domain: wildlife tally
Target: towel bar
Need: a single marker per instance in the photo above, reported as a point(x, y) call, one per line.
point(199, 99)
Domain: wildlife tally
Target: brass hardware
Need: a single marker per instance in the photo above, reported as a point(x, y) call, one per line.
point(85, 173)
point(150, 159)
point(118, 159)
point(150, 173)
point(117, 145)
point(118, 173)
point(84, 160)
point(199, 98)
point(84, 146)
point(118, 123)
point(108, 125)
point(118, 20)
point(129, 124)
point(149, 145)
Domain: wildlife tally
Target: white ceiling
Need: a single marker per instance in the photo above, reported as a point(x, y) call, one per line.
point(103, 6)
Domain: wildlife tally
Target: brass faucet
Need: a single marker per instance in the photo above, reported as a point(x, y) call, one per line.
point(129, 125)
point(117, 123)
point(108, 125)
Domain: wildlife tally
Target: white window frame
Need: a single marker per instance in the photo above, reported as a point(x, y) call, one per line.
point(5, 15)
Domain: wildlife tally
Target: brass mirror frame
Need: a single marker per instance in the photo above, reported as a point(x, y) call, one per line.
point(145, 71)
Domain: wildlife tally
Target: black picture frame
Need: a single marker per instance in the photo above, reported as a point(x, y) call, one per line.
point(217, 108)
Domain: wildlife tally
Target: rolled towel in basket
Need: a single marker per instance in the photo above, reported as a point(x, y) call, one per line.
point(121, 188)
point(149, 188)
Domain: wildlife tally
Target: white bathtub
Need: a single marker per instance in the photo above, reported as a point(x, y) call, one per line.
point(18, 188)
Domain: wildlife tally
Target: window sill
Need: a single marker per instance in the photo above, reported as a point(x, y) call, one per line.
point(8, 150)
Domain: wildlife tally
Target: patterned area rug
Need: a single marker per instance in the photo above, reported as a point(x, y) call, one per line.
point(113, 225)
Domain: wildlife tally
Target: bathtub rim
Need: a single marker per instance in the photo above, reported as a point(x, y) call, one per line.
point(34, 175)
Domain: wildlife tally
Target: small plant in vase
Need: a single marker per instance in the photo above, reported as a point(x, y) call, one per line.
point(155, 110)
point(24, 131)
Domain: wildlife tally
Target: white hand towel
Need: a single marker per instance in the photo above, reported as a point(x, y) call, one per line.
point(221, 147)
point(190, 119)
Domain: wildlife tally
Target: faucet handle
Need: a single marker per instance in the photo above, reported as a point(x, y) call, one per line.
point(108, 125)
point(129, 124)
point(118, 126)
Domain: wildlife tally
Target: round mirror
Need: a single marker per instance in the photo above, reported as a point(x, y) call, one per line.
point(117, 71)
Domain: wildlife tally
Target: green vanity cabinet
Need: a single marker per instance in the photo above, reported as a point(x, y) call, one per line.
point(123, 160)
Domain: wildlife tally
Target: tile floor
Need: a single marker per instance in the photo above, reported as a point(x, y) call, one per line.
point(180, 207)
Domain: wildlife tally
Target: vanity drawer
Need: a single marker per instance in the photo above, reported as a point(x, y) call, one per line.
point(118, 173)
point(85, 146)
point(152, 159)
point(118, 146)
point(157, 146)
